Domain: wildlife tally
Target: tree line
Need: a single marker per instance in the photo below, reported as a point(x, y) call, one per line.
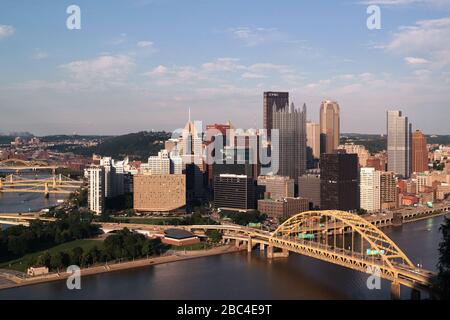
point(124, 245)
point(17, 241)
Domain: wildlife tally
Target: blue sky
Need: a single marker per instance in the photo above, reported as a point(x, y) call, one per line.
point(141, 64)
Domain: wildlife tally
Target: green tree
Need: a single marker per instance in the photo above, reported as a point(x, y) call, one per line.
point(214, 235)
point(443, 278)
point(76, 256)
point(44, 260)
point(57, 261)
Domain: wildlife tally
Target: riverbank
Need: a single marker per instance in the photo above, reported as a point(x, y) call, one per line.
point(12, 280)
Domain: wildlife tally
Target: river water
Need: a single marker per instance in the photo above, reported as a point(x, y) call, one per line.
point(25, 202)
point(244, 276)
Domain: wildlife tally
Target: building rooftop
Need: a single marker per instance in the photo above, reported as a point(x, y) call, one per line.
point(178, 234)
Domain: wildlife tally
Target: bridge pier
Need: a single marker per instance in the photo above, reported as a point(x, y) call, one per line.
point(274, 255)
point(249, 245)
point(269, 252)
point(415, 294)
point(262, 247)
point(238, 243)
point(395, 291)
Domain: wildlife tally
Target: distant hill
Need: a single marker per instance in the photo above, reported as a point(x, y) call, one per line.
point(62, 137)
point(376, 143)
point(138, 146)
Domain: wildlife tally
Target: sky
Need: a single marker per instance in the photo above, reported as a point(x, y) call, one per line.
point(142, 64)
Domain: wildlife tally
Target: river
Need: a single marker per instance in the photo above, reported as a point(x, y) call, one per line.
point(24, 202)
point(244, 276)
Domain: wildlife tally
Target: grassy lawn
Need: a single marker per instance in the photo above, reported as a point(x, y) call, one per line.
point(21, 264)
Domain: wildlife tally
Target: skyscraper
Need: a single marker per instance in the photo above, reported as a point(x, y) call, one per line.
point(329, 126)
point(388, 188)
point(370, 190)
point(291, 153)
point(419, 152)
point(339, 181)
point(313, 142)
point(96, 190)
point(399, 144)
point(273, 101)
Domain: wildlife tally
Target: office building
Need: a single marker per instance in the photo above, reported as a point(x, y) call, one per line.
point(277, 187)
point(96, 189)
point(159, 193)
point(370, 190)
point(309, 187)
point(361, 151)
point(234, 192)
point(399, 144)
point(273, 102)
point(291, 152)
point(419, 152)
point(339, 177)
point(283, 208)
point(313, 144)
point(329, 126)
point(388, 191)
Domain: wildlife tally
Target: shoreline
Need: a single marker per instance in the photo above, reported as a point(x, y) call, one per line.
point(151, 261)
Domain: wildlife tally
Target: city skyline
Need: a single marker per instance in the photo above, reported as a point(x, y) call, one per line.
point(125, 63)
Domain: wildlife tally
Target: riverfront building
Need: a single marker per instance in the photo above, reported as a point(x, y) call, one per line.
point(96, 189)
point(159, 193)
point(234, 192)
point(370, 192)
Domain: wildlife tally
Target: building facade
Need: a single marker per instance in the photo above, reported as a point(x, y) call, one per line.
point(309, 187)
point(329, 126)
point(234, 192)
point(339, 185)
point(291, 153)
point(159, 193)
point(419, 152)
point(370, 189)
point(273, 102)
point(96, 189)
point(277, 187)
point(399, 144)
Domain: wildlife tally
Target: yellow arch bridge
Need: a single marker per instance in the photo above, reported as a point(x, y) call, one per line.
point(23, 165)
point(337, 237)
point(56, 184)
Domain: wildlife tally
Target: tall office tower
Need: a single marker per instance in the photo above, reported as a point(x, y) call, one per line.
point(399, 144)
point(388, 188)
point(191, 151)
point(329, 126)
point(273, 101)
point(291, 153)
point(419, 152)
point(370, 191)
point(339, 177)
point(96, 190)
point(159, 164)
point(312, 143)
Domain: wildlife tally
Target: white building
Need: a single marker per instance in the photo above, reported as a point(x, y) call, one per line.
point(159, 164)
point(96, 191)
point(370, 190)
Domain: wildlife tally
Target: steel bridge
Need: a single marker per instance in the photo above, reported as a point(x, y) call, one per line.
point(21, 165)
point(56, 184)
point(337, 237)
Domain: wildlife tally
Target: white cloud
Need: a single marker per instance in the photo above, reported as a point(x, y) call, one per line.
point(145, 44)
point(416, 61)
point(113, 69)
point(427, 39)
point(39, 54)
point(6, 31)
point(253, 36)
